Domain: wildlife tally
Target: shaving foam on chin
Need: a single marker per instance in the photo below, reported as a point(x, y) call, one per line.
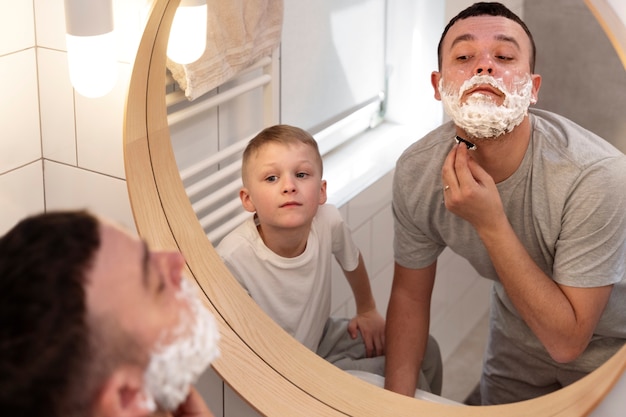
point(480, 116)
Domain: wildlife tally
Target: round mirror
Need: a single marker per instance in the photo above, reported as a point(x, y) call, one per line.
point(264, 365)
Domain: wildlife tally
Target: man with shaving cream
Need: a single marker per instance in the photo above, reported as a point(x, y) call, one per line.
point(536, 205)
point(95, 323)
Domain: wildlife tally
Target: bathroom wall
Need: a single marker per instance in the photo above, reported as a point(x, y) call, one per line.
point(460, 297)
point(58, 149)
point(583, 78)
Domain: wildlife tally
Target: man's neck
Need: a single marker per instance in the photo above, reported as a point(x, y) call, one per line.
point(501, 156)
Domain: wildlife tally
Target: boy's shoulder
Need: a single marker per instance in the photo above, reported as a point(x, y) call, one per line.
point(328, 213)
point(242, 235)
point(328, 209)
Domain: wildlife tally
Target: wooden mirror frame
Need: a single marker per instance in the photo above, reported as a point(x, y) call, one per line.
point(269, 369)
point(614, 28)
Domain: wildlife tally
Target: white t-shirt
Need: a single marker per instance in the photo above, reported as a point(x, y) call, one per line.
point(294, 292)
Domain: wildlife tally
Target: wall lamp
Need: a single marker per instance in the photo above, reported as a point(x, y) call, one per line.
point(188, 34)
point(91, 49)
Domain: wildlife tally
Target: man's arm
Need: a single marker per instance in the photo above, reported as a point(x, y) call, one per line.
point(368, 320)
point(562, 317)
point(408, 321)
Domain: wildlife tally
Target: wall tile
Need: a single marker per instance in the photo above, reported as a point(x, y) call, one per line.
point(19, 107)
point(451, 327)
point(21, 194)
point(381, 240)
point(74, 188)
point(362, 236)
point(99, 139)
point(341, 291)
point(344, 213)
point(50, 19)
point(17, 26)
point(455, 276)
point(128, 18)
point(370, 201)
point(381, 287)
point(57, 107)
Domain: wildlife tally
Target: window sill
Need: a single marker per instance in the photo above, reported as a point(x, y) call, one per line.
point(361, 161)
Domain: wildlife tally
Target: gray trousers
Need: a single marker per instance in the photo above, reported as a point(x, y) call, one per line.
point(338, 348)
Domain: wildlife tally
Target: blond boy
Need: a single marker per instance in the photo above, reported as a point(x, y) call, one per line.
point(283, 254)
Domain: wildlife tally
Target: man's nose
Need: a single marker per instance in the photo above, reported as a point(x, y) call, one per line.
point(173, 264)
point(484, 66)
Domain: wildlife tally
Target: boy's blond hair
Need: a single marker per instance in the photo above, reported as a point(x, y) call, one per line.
point(281, 134)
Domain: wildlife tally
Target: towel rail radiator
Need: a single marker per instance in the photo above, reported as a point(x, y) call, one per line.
point(212, 184)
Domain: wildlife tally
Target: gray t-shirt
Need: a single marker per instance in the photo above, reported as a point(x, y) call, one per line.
point(566, 203)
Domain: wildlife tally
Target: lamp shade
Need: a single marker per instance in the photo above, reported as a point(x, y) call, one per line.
point(91, 49)
point(187, 39)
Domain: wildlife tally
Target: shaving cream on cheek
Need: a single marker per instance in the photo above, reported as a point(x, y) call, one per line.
point(480, 116)
point(186, 351)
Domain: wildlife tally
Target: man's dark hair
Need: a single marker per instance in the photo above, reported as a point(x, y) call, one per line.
point(44, 329)
point(489, 9)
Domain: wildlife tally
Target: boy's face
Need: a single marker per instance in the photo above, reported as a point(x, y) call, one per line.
point(284, 185)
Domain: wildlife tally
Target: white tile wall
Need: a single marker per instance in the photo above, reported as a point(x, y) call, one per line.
point(128, 15)
point(460, 297)
point(50, 19)
point(19, 107)
point(57, 107)
point(381, 287)
point(16, 204)
point(381, 239)
point(100, 139)
point(17, 28)
point(70, 187)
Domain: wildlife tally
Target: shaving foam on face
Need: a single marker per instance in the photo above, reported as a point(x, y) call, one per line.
point(480, 116)
point(174, 366)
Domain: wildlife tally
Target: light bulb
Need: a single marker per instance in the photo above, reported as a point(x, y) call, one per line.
point(91, 46)
point(187, 39)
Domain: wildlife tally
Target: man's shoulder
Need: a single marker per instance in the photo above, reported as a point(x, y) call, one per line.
point(558, 135)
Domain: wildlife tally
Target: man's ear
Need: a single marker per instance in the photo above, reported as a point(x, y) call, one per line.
point(246, 201)
point(323, 196)
point(536, 85)
point(123, 395)
point(435, 76)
